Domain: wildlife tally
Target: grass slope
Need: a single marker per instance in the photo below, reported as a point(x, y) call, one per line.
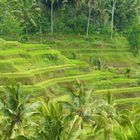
point(40, 67)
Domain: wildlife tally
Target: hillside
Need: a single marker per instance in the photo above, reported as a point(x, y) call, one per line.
point(46, 69)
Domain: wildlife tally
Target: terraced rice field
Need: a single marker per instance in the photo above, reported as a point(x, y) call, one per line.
point(45, 70)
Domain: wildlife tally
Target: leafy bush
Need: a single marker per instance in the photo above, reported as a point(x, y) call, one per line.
point(10, 25)
point(129, 72)
point(134, 38)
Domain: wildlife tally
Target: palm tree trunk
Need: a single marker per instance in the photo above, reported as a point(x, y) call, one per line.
point(40, 31)
point(139, 11)
point(52, 17)
point(75, 15)
point(112, 21)
point(88, 23)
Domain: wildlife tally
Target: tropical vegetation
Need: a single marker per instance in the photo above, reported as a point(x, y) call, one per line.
point(69, 70)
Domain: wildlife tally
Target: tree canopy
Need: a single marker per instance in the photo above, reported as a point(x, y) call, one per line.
point(68, 16)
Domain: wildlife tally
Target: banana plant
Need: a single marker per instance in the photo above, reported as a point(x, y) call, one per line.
point(81, 105)
point(52, 2)
point(72, 129)
point(94, 112)
point(26, 11)
point(51, 120)
point(104, 115)
point(79, 101)
point(91, 4)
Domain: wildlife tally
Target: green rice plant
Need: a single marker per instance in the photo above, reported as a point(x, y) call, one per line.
point(4, 45)
point(119, 90)
point(129, 72)
point(98, 75)
point(34, 75)
point(113, 83)
point(97, 63)
point(138, 79)
point(6, 67)
point(129, 124)
point(133, 101)
point(12, 44)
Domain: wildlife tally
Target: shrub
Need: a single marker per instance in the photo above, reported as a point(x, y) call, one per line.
point(129, 72)
point(10, 25)
point(134, 38)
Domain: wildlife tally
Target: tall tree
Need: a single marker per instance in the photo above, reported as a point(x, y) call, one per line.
point(91, 4)
point(53, 4)
point(52, 14)
point(78, 4)
point(27, 12)
point(112, 18)
point(138, 7)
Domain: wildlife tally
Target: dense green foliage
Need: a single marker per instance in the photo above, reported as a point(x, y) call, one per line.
point(75, 90)
point(74, 66)
point(84, 117)
point(72, 16)
point(134, 37)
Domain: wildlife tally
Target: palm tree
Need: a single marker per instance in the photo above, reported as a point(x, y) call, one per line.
point(80, 105)
point(138, 10)
point(104, 115)
point(91, 4)
point(78, 4)
point(112, 18)
point(103, 9)
point(52, 13)
point(52, 9)
point(14, 110)
point(98, 113)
